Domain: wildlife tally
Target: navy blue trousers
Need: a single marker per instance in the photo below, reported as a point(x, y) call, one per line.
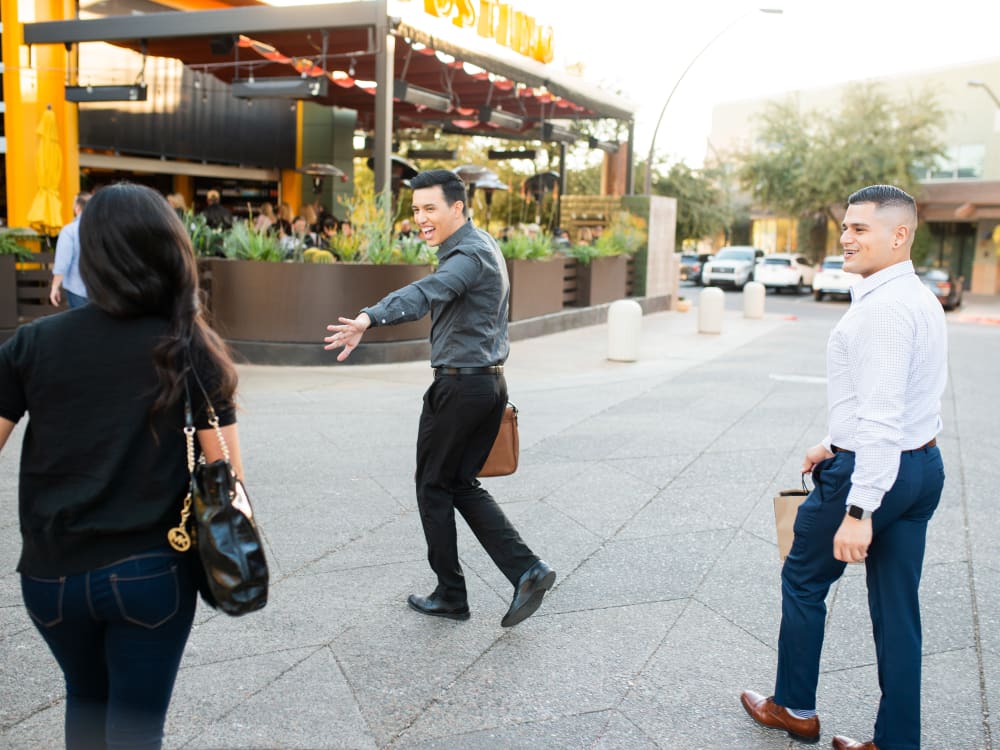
point(118, 633)
point(893, 568)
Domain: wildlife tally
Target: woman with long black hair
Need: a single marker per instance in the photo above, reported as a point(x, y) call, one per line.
point(104, 469)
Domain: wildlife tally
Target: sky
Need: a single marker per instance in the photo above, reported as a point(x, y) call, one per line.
point(642, 47)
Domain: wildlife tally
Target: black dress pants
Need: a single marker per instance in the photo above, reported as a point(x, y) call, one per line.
point(458, 424)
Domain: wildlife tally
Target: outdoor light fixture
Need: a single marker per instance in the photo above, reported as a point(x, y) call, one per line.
point(552, 132)
point(606, 146)
point(524, 153)
point(418, 97)
point(133, 93)
point(500, 119)
point(280, 88)
point(441, 154)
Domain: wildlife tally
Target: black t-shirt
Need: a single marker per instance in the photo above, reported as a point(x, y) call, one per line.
point(100, 478)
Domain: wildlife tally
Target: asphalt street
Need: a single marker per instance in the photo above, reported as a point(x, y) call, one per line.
point(648, 486)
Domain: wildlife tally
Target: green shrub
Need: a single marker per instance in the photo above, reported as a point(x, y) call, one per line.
point(522, 246)
point(415, 251)
point(626, 235)
point(243, 242)
point(348, 249)
point(206, 241)
point(584, 253)
point(12, 243)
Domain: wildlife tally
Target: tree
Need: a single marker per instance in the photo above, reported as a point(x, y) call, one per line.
point(807, 163)
point(702, 207)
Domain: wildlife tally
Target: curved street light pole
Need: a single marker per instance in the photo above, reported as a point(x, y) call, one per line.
point(652, 142)
point(985, 87)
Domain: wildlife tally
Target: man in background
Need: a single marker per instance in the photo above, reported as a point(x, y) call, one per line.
point(66, 269)
point(216, 215)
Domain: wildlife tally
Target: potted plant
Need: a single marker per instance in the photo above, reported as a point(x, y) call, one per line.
point(602, 267)
point(12, 250)
point(257, 298)
point(536, 275)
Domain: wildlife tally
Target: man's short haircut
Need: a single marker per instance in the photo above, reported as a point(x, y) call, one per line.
point(81, 199)
point(884, 196)
point(451, 185)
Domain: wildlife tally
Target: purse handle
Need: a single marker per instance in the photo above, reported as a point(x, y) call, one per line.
point(213, 418)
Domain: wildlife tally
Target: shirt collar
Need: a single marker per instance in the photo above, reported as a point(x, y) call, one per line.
point(867, 285)
point(452, 242)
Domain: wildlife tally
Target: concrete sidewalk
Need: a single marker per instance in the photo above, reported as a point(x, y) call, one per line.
point(647, 486)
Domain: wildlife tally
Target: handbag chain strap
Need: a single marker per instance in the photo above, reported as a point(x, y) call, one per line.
point(213, 418)
point(178, 536)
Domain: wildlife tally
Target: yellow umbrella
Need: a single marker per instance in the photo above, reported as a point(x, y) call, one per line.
point(45, 214)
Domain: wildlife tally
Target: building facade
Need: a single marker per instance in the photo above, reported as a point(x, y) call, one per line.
point(959, 198)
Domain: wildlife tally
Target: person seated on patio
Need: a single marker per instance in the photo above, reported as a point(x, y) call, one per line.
point(405, 229)
point(265, 218)
point(216, 215)
point(311, 217)
point(346, 229)
point(284, 220)
point(327, 236)
point(177, 202)
point(300, 239)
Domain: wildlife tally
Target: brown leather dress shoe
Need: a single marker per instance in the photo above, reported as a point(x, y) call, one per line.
point(846, 743)
point(769, 714)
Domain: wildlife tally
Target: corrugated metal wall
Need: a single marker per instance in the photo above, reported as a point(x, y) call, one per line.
point(189, 115)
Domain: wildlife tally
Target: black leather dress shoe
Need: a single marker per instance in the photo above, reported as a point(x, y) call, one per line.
point(529, 592)
point(437, 607)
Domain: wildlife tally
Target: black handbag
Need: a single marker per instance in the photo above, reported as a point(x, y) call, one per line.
point(233, 571)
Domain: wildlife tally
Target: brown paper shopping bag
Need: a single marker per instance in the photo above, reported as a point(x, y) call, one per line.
point(786, 507)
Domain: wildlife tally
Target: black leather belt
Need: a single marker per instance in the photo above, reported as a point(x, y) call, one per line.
point(490, 370)
point(929, 444)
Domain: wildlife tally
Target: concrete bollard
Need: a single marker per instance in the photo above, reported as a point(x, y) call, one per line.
point(624, 327)
point(753, 300)
point(711, 308)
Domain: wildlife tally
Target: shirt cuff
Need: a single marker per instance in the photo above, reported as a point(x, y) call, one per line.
point(373, 316)
point(827, 443)
point(866, 498)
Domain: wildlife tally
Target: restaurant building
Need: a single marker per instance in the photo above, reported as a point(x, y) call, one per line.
point(190, 95)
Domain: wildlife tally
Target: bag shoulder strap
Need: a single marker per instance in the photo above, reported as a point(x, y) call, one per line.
point(213, 418)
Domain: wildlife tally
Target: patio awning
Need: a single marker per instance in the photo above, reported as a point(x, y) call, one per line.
point(341, 42)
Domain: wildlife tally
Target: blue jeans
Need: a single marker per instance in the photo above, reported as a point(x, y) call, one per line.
point(118, 633)
point(893, 568)
point(73, 299)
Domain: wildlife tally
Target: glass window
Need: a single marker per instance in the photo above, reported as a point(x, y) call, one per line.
point(959, 162)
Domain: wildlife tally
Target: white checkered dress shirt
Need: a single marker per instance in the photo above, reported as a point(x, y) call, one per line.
point(886, 364)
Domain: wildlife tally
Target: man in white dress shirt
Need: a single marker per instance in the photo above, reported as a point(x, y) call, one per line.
point(878, 478)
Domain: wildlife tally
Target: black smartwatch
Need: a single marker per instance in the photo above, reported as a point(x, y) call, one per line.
point(856, 511)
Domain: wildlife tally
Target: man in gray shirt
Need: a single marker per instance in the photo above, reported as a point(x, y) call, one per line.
point(467, 298)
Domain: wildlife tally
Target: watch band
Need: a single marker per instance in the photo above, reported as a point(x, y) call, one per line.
point(856, 511)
